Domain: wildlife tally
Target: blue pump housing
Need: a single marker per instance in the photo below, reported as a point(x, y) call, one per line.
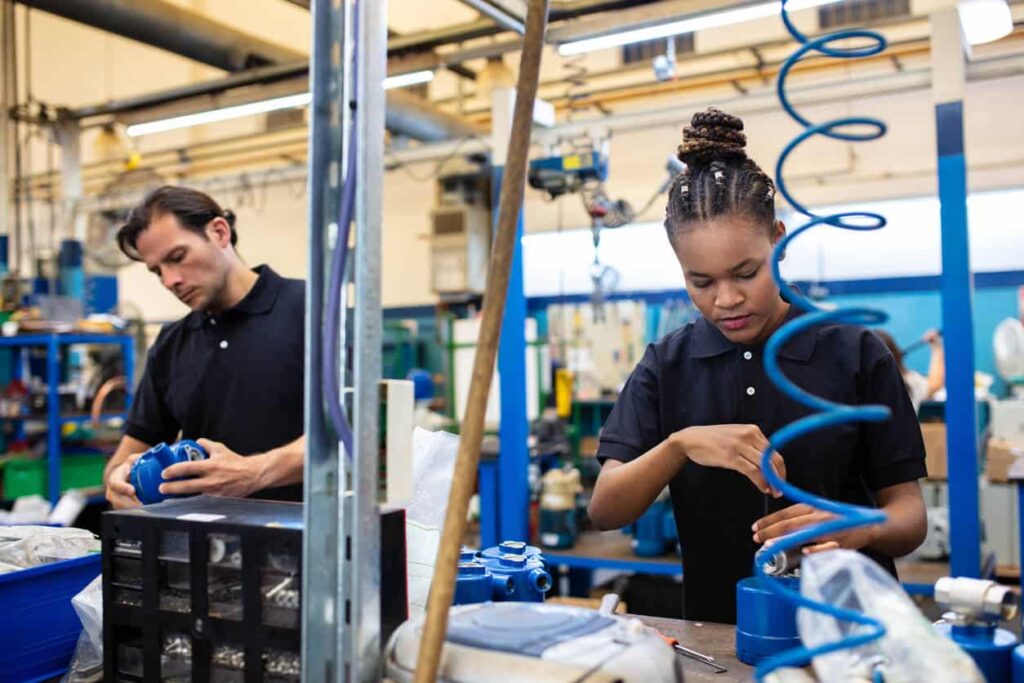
point(765, 620)
point(654, 534)
point(558, 528)
point(147, 473)
point(515, 572)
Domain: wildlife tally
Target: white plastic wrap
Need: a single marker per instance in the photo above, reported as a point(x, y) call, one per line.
point(433, 466)
point(87, 664)
point(22, 547)
point(910, 650)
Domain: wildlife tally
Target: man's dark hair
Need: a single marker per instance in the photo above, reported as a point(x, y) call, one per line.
point(193, 209)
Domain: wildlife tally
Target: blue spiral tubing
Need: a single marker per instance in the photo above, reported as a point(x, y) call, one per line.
point(829, 414)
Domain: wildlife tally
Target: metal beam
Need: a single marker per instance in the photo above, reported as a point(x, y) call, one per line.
point(172, 28)
point(500, 16)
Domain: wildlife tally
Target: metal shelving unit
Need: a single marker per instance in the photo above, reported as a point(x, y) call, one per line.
point(53, 343)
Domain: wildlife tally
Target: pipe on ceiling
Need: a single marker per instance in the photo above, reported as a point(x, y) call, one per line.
point(160, 24)
point(172, 28)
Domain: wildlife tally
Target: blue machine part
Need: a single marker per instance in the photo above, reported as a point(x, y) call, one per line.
point(1018, 664)
point(523, 566)
point(824, 414)
point(558, 528)
point(4, 255)
point(528, 631)
point(475, 583)
point(765, 620)
point(558, 175)
point(71, 273)
point(991, 648)
point(100, 294)
point(147, 473)
point(422, 384)
point(654, 534)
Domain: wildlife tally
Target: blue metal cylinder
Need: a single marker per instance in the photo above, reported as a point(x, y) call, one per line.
point(519, 575)
point(147, 473)
point(558, 528)
point(472, 584)
point(5, 258)
point(1018, 664)
point(71, 273)
point(765, 621)
point(991, 648)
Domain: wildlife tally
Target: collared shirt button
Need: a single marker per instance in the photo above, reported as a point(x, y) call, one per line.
point(224, 345)
point(751, 391)
point(748, 355)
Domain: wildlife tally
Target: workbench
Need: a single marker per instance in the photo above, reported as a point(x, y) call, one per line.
point(717, 640)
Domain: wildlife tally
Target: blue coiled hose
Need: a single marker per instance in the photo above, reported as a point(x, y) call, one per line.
point(829, 414)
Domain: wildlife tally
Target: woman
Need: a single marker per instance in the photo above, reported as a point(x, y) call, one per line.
point(696, 410)
point(919, 387)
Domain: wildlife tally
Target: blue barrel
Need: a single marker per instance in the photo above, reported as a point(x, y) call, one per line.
point(147, 473)
point(765, 622)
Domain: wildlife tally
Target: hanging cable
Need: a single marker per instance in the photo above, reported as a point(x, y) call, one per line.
point(829, 414)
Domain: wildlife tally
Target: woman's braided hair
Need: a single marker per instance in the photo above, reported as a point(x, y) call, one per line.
point(718, 179)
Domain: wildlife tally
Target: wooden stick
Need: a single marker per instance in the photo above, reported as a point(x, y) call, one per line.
point(442, 588)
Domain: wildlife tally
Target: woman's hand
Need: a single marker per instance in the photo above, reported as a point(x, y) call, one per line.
point(796, 517)
point(731, 447)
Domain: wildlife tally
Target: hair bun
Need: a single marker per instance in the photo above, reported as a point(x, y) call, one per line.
point(229, 216)
point(712, 136)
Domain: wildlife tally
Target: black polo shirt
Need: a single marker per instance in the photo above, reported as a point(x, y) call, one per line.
point(695, 376)
point(236, 378)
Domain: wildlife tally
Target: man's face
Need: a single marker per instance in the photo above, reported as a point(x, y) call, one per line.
point(191, 267)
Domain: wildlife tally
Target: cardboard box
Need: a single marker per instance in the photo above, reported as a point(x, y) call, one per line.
point(934, 434)
point(1008, 421)
point(999, 455)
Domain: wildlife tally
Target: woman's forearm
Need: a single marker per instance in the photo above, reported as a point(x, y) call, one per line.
point(624, 491)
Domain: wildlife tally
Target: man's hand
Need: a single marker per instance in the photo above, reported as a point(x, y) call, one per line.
point(119, 492)
point(796, 517)
point(224, 473)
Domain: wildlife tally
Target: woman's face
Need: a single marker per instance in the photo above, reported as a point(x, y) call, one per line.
point(727, 268)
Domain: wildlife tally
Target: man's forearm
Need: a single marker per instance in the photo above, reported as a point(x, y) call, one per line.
point(282, 466)
point(905, 528)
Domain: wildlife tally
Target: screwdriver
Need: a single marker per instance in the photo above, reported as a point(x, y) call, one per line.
point(693, 654)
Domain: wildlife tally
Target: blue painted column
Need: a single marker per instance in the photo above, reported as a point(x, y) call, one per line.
point(514, 457)
point(957, 294)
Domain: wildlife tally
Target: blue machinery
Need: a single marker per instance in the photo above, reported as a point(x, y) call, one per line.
point(147, 472)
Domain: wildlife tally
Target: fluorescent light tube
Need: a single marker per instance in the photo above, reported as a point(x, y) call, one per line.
point(697, 23)
point(411, 78)
point(984, 20)
point(222, 114)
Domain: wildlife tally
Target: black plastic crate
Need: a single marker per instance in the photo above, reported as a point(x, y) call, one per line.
point(208, 589)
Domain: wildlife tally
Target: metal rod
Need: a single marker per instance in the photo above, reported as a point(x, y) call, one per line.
point(322, 480)
point(500, 16)
point(442, 588)
point(367, 338)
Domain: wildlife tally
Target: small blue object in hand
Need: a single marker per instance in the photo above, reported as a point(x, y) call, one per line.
point(147, 472)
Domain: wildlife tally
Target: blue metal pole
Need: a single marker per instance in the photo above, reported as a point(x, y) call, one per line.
point(957, 323)
point(514, 457)
point(489, 497)
point(53, 432)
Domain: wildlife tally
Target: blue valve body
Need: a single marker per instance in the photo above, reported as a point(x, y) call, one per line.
point(510, 572)
point(991, 648)
point(147, 472)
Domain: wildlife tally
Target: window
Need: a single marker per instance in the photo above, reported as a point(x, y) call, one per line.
point(861, 12)
point(645, 52)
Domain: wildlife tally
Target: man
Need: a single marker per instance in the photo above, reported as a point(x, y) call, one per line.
point(230, 373)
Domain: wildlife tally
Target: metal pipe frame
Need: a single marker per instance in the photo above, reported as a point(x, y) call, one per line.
point(500, 16)
point(324, 480)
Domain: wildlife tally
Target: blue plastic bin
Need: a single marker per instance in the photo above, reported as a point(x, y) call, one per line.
point(39, 626)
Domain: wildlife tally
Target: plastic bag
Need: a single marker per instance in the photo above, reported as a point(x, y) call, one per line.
point(22, 547)
point(87, 664)
point(910, 650)
point(433, 466)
